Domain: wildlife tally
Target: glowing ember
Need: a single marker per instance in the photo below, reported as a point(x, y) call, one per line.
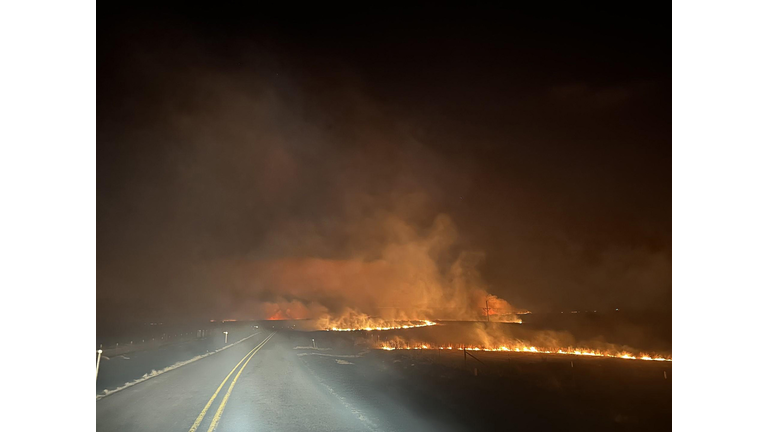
point(529, 349)
point(415, 324)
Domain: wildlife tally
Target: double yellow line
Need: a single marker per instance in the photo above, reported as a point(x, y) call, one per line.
point(217, 416)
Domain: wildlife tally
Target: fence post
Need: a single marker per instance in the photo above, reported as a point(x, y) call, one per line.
point(98, 361)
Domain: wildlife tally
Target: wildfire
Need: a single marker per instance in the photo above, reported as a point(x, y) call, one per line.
point(278, 316)
point(416, 324)
point(529, 349)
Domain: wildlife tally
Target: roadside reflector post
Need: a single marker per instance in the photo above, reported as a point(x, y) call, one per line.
point(98, 361)
point(226, 337)
point(314, 345)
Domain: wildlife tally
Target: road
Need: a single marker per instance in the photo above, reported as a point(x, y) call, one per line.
point(272, 381)
point(291, 380)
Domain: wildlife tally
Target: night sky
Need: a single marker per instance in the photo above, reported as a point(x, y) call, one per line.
point(245, 155)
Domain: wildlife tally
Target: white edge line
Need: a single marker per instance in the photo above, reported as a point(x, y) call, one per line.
point(176, 365)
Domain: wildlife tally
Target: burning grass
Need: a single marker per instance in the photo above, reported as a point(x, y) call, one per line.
point(511, 338)
point(387, 326)
point(398, 345)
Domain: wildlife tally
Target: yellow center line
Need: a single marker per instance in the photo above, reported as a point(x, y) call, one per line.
point(208, 405)
point(217, 416)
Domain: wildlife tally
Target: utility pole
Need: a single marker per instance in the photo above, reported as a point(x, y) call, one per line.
point(487, 311)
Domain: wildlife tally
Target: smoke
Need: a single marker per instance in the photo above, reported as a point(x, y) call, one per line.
point(328, 214)
point(413, 275)
point(277, 186)
point(350, 228)
point(304, 212)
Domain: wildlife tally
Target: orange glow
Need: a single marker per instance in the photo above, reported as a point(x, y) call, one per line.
point(527, 349)
point(388, 326)
point(278, 316)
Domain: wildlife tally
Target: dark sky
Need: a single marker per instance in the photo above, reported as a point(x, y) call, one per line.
point(231, 140)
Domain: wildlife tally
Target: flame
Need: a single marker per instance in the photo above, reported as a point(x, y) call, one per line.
point(278, 316)
point(388, 326)
point(528, 349)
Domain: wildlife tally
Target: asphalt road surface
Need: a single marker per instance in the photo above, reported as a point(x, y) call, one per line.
point(272, 381)
point(283, 381)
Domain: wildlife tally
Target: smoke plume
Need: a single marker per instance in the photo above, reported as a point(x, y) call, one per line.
point(412, 275)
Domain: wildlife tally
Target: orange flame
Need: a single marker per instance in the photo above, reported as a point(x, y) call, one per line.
point(277, 316)
point(411, 324)
point(528, 349)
